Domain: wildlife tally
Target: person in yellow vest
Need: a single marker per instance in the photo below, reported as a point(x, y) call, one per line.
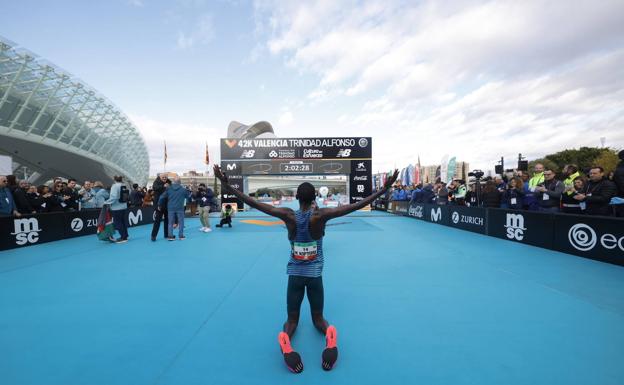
point(538, 177)
point(570, 171)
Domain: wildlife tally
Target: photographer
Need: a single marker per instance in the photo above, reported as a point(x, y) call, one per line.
point(549, 192)
point(514, 194)
point(204, 198)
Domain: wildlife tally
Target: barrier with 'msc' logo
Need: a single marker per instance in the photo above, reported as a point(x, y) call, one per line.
point(529, 227)
point(29, 230)
point(599, 238)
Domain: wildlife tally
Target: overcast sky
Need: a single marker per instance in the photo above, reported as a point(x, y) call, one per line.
point(472, 79)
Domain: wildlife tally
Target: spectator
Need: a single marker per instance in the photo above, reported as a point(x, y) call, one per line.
point(118, 201)
point(500, 184)
point(57, 203)
point(11, 182)
point(458, 192)
point(87, 196)
point(148, 200)
point(46, 198)
point(441, 194)
point(34, 200)
point(136, 196)
point(101, 194)
point(570, 172)
point(7, 205)
point(490, 196)
point(71, 196)
point(569, 205)
point(175, 198)
point(618, 179)
point(471, 196)
point(514, 194)
point(21, 199)
point(427, 195)
point(204, 198)
point(550, 191)
point(598, 193)
point(159, 186)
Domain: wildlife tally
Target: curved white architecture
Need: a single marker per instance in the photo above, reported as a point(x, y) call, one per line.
point(56, 125)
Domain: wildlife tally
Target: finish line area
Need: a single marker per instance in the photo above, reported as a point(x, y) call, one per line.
point(413, 303)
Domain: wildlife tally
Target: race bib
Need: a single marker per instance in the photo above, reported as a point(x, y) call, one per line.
point(513, 201)
point(304, 251)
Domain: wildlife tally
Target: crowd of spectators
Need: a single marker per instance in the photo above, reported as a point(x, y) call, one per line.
point(21, 197)
point(574, 191)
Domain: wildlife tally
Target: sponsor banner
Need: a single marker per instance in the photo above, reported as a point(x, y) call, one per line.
point(468, 218)
point(78, 223)
point(599, 238)
point(399, 207)
point(416, 210)
point(30, 230)
point(140, 216)
point(437, 214)
point(380, 204)
point(296, 148)
point(40, 228)
point(529, 227)
point(360, 180)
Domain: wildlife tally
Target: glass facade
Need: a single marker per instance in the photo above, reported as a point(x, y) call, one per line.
point(41, 102)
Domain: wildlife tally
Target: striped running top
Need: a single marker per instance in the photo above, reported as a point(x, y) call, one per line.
point(306, 254)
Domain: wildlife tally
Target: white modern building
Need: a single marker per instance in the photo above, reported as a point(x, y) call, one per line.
point(53, 124)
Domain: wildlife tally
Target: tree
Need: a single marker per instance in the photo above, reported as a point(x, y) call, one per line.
point(546, 162)
point(607, 160)
point(584, 157)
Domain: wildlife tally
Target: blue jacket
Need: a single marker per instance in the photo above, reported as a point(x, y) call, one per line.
point(176, 195)
point(113, 199)
point(7, 204)
point(101, 195)
point(204, 198)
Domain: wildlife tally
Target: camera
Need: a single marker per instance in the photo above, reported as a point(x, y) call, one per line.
point(478, 174)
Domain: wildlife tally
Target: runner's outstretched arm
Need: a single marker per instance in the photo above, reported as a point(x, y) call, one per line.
point(284, 214)
point(330, 213)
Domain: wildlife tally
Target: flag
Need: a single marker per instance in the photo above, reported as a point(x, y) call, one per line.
point(165, 152)
point(452, 165)
point(207, 160)
point(417, 172)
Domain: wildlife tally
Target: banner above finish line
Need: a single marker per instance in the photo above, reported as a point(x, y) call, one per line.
point(299, 156)
point(296, 148)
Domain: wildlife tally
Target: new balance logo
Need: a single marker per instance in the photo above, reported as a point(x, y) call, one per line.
point(248, 154)
point(515, 226)
point(26, 231)
point(344, 153)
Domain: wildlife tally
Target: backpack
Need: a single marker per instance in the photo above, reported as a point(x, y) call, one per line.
point(123, 194)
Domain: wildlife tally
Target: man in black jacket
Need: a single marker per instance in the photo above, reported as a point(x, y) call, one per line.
point(618, 178)
point(21, 199)
point(159, 186)
point(598, 193)
point(549, 194)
